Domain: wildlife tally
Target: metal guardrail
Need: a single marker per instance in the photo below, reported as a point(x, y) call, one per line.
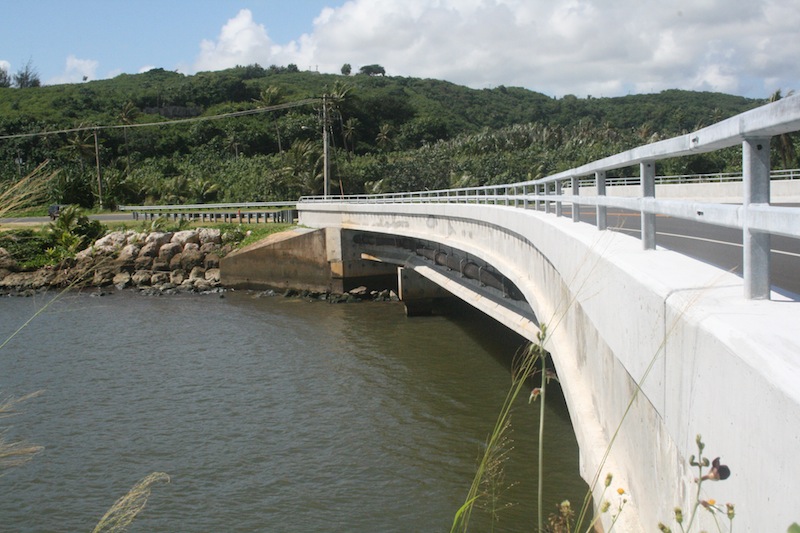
point(206, 207)
point(757, 220)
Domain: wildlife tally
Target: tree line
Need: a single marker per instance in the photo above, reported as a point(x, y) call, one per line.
point(24, 78)
point(236, 135)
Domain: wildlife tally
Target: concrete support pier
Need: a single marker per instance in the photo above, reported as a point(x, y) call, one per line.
point(417, 292)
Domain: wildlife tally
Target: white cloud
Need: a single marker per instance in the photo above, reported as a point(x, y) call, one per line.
point(76, 70)
point(603, 48)
point(241, 42)
point(5, 65)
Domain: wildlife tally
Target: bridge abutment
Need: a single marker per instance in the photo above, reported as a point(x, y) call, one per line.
point(323, 260)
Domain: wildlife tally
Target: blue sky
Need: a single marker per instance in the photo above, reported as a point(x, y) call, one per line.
point(558, 47)
point(126, 36)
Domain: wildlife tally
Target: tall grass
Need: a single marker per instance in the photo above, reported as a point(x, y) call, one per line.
point(15, 453)
point(125, 509)
point(25, 192)
point(533, 362)
point(20, 195)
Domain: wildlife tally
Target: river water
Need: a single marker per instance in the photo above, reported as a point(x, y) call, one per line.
point(268, 414)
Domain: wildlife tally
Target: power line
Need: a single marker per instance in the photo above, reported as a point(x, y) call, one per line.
point(258, 110)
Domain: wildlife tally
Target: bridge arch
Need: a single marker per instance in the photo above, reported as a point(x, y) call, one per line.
point(637, 336)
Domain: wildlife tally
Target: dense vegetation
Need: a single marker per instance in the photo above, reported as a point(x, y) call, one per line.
point(387, 134)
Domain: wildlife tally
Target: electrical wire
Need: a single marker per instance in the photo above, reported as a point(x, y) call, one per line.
point(258, 110)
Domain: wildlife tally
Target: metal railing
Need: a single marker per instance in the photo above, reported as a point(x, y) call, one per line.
point(206, 207)
point(757, 220)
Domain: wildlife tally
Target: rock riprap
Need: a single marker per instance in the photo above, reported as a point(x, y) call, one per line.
point(157, 262)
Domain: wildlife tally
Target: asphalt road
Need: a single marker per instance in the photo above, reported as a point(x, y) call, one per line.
point(111, 217)
point(718, 246)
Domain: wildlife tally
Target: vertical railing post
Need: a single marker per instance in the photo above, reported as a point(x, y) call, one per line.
point(647, 171)
point(602, 211)
point(756, 245)
point(538, 191)
point(576, 208)
point(559, 206)
point(525, 197)
point(546, 193)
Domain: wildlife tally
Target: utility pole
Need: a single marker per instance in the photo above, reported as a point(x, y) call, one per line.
point(97, 161)
point(325, 160)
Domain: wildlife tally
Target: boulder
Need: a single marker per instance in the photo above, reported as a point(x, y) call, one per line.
point(6, 261)
point(209, 236)
point(212, 275)
point(175, 262)
point(141, 277)
point(190, 259)
point(103, 276)
point(191, 246)
point(161, 265)
point(186, 236)
point(197, 273)
point(208, 248)
point(176, 277)
point(202, 285)
point(150, 249)
point(115, 239)
point(121, 280)
point(159, 278)
point(128, 253)
point(167, 251)
point(143, 262)
point(359, 291)
point(211, 261)
point(160, 238)
point(28, 280)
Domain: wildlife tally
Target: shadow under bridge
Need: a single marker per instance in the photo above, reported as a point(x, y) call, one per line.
point(431, 270)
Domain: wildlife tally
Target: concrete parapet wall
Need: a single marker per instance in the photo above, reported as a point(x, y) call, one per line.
point(708, 361)
point(782, 191)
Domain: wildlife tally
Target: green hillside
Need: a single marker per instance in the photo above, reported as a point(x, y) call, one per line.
point(387, 133)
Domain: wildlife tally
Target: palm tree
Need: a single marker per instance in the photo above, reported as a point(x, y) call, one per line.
point(269, 97)
point(204, 190)
point(349, 133)
point(80, 146)
point(303, 170)
point(127, 115)
point(785, 140)
point(384, 139)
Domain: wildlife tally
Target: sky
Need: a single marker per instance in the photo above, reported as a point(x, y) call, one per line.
point(586, 48)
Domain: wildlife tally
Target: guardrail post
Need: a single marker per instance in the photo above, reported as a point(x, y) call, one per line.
point(576, 207)
point(647, 171)
point(755, 167)
point(602, 219)
point(546, 198)
point(559, 206)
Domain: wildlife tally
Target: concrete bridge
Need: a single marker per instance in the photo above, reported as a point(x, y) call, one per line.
point(652, 347)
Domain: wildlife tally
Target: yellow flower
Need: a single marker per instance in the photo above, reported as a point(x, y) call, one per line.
point(620, 491)
point(712, 501)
